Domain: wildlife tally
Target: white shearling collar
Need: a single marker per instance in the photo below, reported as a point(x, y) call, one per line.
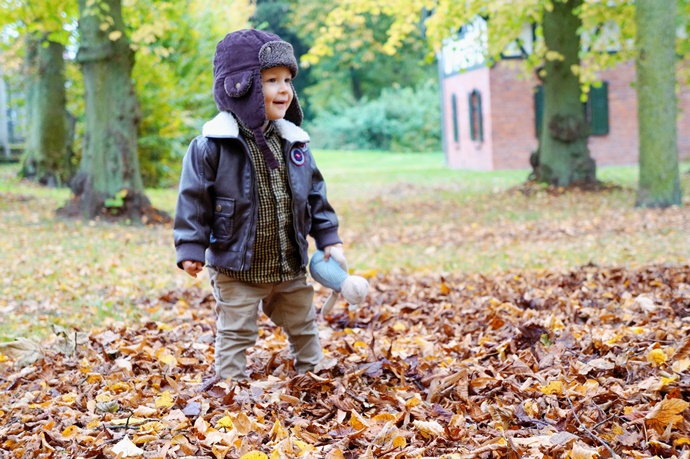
point(224, 126)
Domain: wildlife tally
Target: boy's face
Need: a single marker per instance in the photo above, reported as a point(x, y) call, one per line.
point(277, 91)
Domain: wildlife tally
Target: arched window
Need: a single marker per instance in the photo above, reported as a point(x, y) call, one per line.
point(476, 127)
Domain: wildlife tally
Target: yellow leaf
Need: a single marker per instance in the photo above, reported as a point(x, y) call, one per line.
point(130, 421)
point(657, 357)
point(278, 432)
point(69, 398)
point(445, 290)
point(104, 26)
point(412, 402)
point(357, 421)
point(384, 417)
point(165, 400)
point(254, 455)
point(120, 387)
point(304, 447)
point(114, 35)
point(552, 55)
point(168, 359)
point(666, 412)
point(681, 441)
point(399, 442)
point(399, 326)
point(554, 387)
point(70, 432)
point(225, 422)
point(93, 424)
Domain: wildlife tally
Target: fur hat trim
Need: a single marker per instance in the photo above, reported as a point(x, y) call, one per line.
point(224, 126)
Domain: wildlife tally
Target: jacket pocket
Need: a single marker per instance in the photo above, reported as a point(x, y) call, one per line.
point(223, 220)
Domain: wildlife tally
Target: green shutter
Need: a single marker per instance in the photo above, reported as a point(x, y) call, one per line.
point(454, 105)
point(538, 109)
point(473, 128)
point(599, 109)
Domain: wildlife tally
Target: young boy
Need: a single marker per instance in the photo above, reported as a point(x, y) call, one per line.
point(249, 195)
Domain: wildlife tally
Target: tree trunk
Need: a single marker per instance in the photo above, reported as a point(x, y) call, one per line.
point(659, 182)
point(4, 132)
point(109, 182)
point(563, 157)
point(45, 157)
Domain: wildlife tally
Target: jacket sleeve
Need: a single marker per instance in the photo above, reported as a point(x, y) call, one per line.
point(324, 221)
point(194, 212)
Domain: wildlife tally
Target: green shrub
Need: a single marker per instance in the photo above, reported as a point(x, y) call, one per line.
point(401, 119)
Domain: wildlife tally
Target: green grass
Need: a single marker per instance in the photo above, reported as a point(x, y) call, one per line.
point(398, 212)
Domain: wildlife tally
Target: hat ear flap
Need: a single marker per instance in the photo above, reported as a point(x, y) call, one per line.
point(294, 112)
point(238, 84)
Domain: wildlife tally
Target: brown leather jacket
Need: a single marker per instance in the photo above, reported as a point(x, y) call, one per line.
point(217, 205)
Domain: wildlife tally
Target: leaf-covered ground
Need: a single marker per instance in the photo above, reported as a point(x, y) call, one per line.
point(591, 363)
point(501, 322)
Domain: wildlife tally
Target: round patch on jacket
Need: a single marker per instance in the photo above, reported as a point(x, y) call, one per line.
point(298, 157)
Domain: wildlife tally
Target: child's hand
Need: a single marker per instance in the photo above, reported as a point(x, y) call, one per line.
point(192, 267)
point(335, 251)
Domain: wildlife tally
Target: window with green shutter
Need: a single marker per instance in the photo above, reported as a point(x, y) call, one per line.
point(476, 127)
point(454, 107)
point(596, 109)
point(538, 109)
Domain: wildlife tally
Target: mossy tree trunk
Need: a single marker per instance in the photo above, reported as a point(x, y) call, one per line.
point(563, 157)
point(45, 158)
point(659, 181)
point(109, 180)
point(4, 132)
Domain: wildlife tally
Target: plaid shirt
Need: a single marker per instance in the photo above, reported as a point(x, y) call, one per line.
point(275, 255)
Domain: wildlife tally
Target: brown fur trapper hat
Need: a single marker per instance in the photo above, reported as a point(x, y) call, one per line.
point(240, 57)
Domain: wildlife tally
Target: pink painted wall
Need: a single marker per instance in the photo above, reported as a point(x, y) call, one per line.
point(467, 153)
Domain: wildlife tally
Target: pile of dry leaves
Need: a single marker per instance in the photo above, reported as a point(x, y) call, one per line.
point(588, 364)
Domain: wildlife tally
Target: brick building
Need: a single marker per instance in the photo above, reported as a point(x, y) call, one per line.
point(491, 114)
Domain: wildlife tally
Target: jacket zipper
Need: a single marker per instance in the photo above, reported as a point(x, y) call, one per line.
point(254, 202)
point(286, 156)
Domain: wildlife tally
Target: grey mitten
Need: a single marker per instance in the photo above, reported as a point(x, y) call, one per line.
point(333, 274)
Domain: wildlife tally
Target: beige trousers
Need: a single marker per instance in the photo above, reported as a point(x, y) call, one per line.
point(288, 304)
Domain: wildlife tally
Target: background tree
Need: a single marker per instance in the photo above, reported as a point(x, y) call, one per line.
point(41, 26)
point(563, 156)
point(659, 184)
point(109, 179)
